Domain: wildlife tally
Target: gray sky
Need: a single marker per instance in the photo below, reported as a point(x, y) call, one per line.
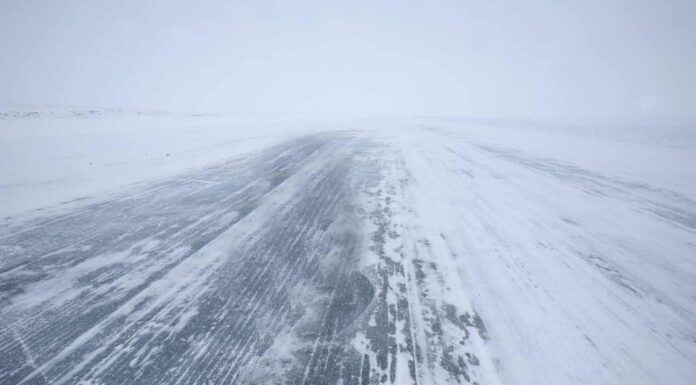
point(482, 58)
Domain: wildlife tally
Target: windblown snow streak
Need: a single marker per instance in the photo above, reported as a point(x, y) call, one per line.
point(358, 258)
point(248, 272)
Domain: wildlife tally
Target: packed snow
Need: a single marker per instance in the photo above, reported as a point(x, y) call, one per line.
point(212, 249)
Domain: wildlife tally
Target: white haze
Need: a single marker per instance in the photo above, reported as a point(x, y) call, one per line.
point(283, 58)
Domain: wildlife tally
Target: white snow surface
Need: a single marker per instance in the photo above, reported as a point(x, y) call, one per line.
point(578, 252)
point(575, 243)
point(51, 156)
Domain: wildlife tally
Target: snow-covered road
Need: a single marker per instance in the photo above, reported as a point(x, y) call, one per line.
point(421, 255)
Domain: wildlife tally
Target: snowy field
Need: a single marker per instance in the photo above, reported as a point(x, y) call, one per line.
point(149, 248)
point(49, 156)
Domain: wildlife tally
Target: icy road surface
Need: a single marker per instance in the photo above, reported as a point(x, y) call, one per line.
point(356, 257)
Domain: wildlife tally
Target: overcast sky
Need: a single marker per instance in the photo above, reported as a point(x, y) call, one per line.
point(481, 58)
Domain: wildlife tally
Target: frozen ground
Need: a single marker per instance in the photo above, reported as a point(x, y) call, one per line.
point(50, 156)
point(429, 251)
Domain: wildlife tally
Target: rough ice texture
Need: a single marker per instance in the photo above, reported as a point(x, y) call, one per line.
point(428, 251)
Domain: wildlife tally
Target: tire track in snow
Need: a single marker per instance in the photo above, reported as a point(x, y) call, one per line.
point(141, 239)
point(287, 266)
